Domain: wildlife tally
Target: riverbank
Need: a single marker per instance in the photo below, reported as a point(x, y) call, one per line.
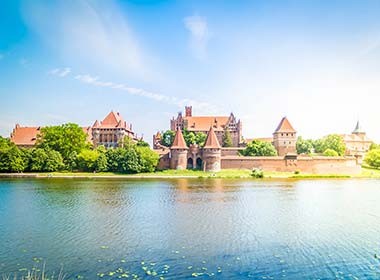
point(366, 173)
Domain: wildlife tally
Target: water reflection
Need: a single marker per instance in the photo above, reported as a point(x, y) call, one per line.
point(185, 228)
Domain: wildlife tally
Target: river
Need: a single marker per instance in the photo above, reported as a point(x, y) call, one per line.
point(191, 228)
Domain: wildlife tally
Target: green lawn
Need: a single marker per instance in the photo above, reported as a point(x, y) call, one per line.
point(366, 173)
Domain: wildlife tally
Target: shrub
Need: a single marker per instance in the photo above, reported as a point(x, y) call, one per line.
point(373, 158)
point(330, 153)
point(257, 173)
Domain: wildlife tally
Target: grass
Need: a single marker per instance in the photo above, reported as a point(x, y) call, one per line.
point(35, 274)
point(367, 172)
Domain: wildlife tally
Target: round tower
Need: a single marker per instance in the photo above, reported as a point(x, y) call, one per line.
point(178, 152)
point(212, 153)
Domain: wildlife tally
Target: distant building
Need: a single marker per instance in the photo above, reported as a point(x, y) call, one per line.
point(196, 124)
point(107, 132)
point(207, 158)
point(285, 138)
point(24, 136)
point(357, 143)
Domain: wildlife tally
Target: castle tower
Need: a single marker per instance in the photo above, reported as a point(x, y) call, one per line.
point(178, 152)
point(285, 138)
point(212, 152)
point(188, 111)
point(358, 130)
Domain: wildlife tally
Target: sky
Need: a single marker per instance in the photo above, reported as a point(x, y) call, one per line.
point(316, 62)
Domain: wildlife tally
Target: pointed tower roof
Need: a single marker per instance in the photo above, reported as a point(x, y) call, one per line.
point(112, 119)
point(358, 128)
point(179, 141)
point(96, 124)
point(211, 140)
point(284, 126)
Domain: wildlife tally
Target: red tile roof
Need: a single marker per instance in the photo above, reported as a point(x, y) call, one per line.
point(27, 136)
point(112, 120)
point(211, 140)
point(203, 123)
point(24, 136)
point(179, 141)
point(285, 126)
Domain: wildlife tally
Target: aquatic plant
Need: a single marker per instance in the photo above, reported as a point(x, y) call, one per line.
point(34, 274)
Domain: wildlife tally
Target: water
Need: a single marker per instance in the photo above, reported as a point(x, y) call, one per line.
point(182, 229)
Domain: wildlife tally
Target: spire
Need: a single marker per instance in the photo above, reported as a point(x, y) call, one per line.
point(211, 140)
point(358, 128)
point(179, 141)
point(285, 126)
point(96, 124)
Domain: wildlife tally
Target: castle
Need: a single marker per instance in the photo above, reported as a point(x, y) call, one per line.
point(201, 124)
point(357, 143)
point(213, 157)
point(107, 132)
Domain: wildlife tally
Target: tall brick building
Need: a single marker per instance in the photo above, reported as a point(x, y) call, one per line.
point(285, 138)
point(196, 124)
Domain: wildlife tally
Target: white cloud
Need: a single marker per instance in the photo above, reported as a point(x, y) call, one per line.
point(95, 81)
point(199, 35)
point(60, 72)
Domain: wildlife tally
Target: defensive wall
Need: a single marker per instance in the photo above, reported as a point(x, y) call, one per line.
point(314, 165)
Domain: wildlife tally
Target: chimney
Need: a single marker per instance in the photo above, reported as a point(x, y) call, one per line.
point(188, 110)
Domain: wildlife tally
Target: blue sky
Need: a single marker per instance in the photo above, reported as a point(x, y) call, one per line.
point(317, 62)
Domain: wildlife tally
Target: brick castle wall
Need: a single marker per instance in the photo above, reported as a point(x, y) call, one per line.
point(315, 165)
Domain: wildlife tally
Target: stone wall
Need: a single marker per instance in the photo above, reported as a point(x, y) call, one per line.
point(314, 165)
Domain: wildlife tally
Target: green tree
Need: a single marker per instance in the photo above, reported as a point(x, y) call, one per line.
point(227, 139)
point(38, 160)
point(200, 139)
point(334, 142)
point(101, 163)
point(142, 143)
point(374, 146)
point(148, 159)
point(114, 159)
point(12, 159)
point(259, 148)
point(65, 139)
point(330, 153)
point(189, 137)
point(318, 146)
point(372, 158)
point(304, 146)
point(167, 138)
point(86, 159)
point(54, 161)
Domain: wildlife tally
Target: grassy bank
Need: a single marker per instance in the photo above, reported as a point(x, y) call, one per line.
point(366, 173)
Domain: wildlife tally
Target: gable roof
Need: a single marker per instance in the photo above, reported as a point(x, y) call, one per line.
point(211, 140)
point(179, 141)
point(203, 123)
point(24, 136)
point(284, 126)
point(112, 120)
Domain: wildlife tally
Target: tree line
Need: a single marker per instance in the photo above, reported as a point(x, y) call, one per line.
point(65, 148)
